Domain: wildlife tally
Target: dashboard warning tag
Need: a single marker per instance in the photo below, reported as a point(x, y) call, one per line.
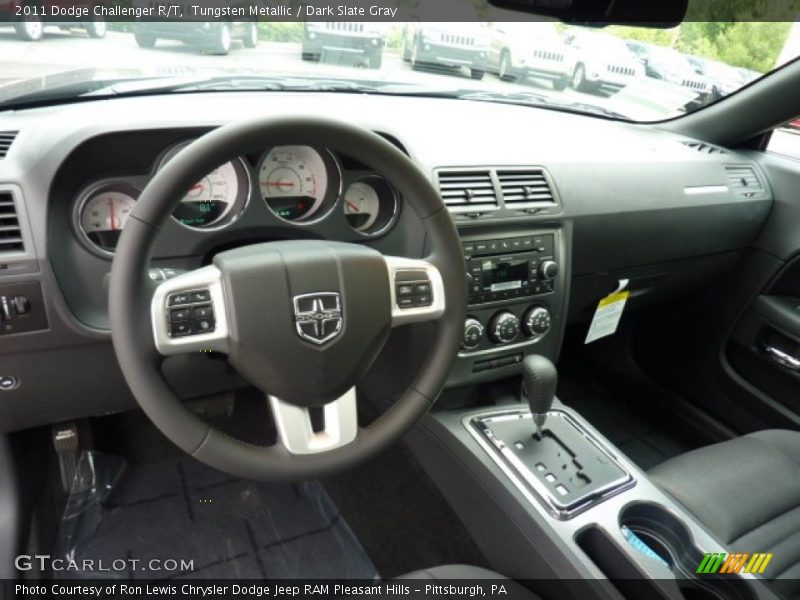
point(608, 313)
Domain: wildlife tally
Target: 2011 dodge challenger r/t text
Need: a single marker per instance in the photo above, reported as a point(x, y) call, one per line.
point(453, 299)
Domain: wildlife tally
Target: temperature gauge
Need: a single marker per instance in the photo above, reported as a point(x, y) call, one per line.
point(370, 205)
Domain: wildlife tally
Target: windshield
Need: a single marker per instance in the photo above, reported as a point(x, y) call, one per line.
point(620, 72)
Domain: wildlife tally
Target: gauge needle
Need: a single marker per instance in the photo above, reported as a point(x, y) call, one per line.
point(113, 216)
point(352, 206)
point(281, 183)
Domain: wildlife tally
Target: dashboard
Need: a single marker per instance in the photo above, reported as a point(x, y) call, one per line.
point(553, 210)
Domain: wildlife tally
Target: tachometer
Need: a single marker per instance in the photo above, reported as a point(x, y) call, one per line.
point(295, 182)
point(215, 200)
point(370, 205)
point(102, 214)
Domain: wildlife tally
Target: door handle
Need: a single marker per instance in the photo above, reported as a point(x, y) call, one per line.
point(782, 358)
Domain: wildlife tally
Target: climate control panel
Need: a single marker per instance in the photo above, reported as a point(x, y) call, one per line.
point(506, 327)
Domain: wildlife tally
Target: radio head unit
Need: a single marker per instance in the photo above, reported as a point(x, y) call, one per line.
point(510, 268)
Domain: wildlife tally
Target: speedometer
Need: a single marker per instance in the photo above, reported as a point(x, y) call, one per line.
point(215, 200)
point(295, 182)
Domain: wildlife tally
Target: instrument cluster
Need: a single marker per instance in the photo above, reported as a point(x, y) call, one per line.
point(300, 185)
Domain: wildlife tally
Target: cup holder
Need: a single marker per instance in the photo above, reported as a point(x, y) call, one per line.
point(669, 538)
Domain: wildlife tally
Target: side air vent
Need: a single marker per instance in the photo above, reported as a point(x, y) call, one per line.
point(6, 139)
point(525, 188)
point(10, 230)
point(467, 191)
point(704, 148)
point(744, 181)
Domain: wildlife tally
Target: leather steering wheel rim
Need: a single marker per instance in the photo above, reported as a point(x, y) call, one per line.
point(131, 291)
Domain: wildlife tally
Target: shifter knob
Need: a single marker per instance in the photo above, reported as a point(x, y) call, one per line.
point(540, 378)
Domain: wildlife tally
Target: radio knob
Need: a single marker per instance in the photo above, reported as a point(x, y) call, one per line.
point(548, 269)
point(536, 321)
point(504, 327)
point(473, 334)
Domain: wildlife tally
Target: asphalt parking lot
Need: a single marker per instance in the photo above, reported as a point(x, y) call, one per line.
point(61, 51)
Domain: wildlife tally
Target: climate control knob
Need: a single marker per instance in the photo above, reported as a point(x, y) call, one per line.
point(548, 269)
point(536, 321)
point(473, 334)
point(504, 327)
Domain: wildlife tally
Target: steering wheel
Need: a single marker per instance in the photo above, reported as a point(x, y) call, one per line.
point(302, 321)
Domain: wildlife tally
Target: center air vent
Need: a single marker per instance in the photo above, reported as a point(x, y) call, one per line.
point(6, 139)
point(525, 188)
point(10, 230)
point(744, 181)
point(467, 191)
point(703, 147)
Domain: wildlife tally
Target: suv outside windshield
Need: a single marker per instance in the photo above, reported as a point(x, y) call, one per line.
point(622, 72)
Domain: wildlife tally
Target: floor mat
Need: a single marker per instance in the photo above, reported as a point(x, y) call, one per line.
point(229, 528)
point(641, 435)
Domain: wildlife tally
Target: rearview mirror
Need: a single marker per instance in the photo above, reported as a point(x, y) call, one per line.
point(652, 13)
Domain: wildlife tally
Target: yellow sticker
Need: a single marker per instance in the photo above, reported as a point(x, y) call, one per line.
point(608, 314)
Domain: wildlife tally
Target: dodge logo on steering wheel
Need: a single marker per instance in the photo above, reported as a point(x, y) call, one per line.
point(318, 317)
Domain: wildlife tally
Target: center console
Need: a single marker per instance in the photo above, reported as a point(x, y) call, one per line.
point(548, 498)
point(516, 300)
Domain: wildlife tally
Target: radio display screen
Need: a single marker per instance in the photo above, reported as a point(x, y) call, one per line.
point(504, 275)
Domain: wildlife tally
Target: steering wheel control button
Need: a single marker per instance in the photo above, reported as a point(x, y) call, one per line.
point(202, 325)
point(193, 313)
point(405, 289)
point(202, 312)
point(180, 329)
point(422, 289)
point(413, 289)
point(200, 296)
point(178, 299)
point(179, 314)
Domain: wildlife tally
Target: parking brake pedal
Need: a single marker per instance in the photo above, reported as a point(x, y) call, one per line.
point(65, 441)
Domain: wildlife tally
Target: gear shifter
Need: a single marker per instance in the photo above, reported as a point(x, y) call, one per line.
point(539, 387)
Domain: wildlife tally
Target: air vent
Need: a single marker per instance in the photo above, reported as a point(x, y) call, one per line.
point(467, 191)
point(704, 148)
point(525, 188)
point(743, 181)
point(10, 231)
point(6, 139)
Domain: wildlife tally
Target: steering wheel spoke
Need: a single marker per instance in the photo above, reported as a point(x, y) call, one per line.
point(296, 430)
point(188, 313)
point(416, 289)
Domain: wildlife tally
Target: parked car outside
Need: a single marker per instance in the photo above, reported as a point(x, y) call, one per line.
point(360, 44)
point(667, 64)
point(518, 51)
point(214, 38)
point(447, 45)
point(601, 61)
point(29, 20)
point(721, 77)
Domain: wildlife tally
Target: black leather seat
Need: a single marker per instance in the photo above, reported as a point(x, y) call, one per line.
point(455, 573)
point(747, 493)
